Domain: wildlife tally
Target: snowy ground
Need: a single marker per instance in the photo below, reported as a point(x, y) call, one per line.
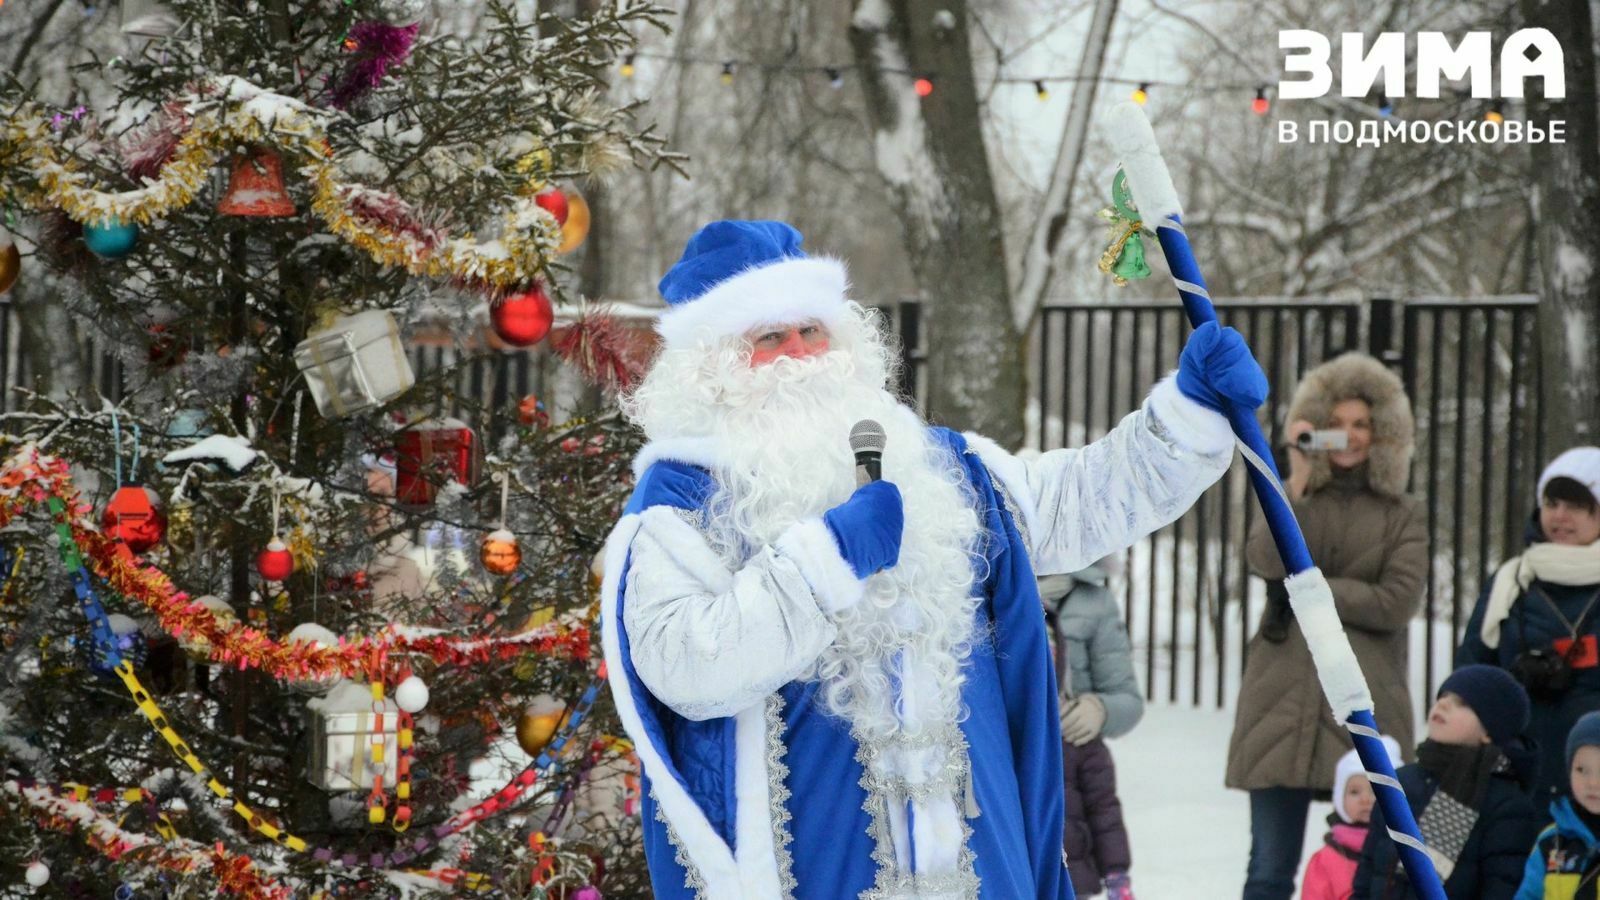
point(1191, 836)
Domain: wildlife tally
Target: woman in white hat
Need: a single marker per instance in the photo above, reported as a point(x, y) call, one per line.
point(1539, 618)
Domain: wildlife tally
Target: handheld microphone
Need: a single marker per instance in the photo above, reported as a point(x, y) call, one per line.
point(867, 440)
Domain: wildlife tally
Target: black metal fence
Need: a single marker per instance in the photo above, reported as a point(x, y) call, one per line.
point(1190, 601)
point(1470, 367)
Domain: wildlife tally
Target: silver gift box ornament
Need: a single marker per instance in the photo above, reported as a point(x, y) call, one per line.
point(341, 748)
point(148, 18)
point(355, 364)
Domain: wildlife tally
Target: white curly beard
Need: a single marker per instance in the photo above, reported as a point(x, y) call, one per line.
point(782, 436)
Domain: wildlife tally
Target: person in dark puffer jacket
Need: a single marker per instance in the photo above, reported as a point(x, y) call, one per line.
point(1467, 791)
point(1100, 699)
point(1547, 601)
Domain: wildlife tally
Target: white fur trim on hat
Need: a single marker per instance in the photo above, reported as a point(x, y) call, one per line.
point(1581, 464)
point(782, 293)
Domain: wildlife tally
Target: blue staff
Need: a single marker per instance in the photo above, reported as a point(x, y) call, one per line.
point(1309, 594)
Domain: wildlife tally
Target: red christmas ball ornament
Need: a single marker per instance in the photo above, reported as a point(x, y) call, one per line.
point(276, 562)
point(596, 446)
point(571, 445)
point(554, 200)
point(523, 320)
point(134, 517)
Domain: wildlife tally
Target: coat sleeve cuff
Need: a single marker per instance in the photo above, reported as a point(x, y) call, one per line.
point(813, 550)
point(1198, 429)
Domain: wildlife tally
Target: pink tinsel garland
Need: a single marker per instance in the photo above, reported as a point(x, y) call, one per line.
point(377, 46)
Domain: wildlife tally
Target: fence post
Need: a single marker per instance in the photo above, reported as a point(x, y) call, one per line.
point(1381, 330)
point(910, 315)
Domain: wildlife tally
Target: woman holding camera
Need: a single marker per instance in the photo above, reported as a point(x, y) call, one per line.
point(1349, 457)
point(1538, 616)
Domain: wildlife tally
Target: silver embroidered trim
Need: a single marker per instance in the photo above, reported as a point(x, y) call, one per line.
point(692, 879)
point(1011, 507)
point(778, 796)
point(891, 884)
point(951, 776)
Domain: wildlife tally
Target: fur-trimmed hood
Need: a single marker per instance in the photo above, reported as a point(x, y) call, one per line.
point(1357, 375)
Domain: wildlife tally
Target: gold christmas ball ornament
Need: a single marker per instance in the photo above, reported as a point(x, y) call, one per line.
point(538, 723)
point(180, 527)
point(500, 553)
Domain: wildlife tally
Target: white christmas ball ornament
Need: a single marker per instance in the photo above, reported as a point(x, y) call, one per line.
point(411, 695)
point(38, 873)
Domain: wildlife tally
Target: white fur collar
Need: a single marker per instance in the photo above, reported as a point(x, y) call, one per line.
point(704, 452)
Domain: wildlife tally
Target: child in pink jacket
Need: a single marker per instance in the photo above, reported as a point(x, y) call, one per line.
point(1331, 873)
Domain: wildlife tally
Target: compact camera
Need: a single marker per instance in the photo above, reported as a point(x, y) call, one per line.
point(1546, 673)
point(1324, 440)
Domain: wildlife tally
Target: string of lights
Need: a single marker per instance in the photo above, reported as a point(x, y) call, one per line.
point(925, 82)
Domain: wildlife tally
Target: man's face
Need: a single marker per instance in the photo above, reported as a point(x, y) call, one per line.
point(771, 342)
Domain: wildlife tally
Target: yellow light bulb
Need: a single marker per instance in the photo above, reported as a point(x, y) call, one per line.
point(1140, 96)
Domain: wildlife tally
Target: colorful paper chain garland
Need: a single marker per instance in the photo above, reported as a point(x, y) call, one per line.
point(108, 656)
point(30, 476)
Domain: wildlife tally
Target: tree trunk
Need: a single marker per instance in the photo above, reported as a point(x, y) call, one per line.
point(930, 153)
point(1038, 261)
point(1567, 223)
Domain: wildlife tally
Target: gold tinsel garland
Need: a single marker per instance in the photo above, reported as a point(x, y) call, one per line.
point(232, 112)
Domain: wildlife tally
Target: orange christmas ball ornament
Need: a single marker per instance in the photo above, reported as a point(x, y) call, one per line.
point(276, 562)
point(524, 319)
point(576, 228)
point(134, 517)
point(500, 553)
point(11, 260)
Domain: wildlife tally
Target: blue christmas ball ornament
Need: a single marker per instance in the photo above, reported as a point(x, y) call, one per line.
point(111, 238)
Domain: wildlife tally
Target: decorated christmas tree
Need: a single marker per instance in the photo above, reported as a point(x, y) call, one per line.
point(285, 612)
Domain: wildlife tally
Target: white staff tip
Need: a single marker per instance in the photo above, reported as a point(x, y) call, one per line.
point(1136, 147)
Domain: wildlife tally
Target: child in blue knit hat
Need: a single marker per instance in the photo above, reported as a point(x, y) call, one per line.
point(1565, 863)
point(1467, 792)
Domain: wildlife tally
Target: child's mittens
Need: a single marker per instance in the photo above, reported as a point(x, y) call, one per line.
point(1118, 886)
point(1083, 719)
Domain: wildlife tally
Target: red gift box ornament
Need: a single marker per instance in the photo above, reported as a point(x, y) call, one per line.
point(431, 454)
point(135, 518)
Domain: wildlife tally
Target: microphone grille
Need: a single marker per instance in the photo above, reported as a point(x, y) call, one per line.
point(867, 435)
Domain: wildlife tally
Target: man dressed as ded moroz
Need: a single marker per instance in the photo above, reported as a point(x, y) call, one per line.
point(842, 692)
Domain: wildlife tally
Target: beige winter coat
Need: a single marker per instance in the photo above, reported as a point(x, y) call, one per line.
point(1370, 540)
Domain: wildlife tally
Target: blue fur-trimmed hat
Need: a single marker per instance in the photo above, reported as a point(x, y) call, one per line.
point(1500, 702)
point(736, 275)
point(1585, 733)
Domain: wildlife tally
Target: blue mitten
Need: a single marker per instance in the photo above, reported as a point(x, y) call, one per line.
point(1216, 365)
point(867, 527)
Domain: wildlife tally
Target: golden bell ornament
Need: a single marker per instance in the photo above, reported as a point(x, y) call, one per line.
point(500, 553)
point(10, 261)
point(256, 187)
point(538, 723)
